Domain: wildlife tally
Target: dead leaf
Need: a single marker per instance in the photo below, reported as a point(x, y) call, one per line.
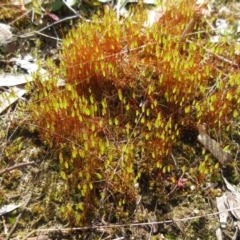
point(223, 211)
point(229, 186)
point(16, 82)
point(9, 97)
point(219, 234)
point(31, 67)
point(5, 33)
point(233, 202)
point(8, 208)
point(19, 4)
point(9, 79)
point(232, 199)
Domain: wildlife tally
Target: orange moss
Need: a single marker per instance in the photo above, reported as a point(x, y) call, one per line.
point(130, 93)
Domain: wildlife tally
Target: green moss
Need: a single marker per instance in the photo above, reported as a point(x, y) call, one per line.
point(132, 100)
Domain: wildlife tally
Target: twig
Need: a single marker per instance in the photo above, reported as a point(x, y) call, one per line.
point(68, 6)
point(176, 184)
point(28, 235)
point(216, 55)
point(15, 20)
point(213, 146)
point(4, 225)
point(45, 35)
point(15, 167)
point(134, 224)
point(187, 29)
point(46, 27)
point(18, 218)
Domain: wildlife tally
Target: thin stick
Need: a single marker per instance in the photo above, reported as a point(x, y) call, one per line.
point(134, 224)
point(15, 167)
point(216, 55)
point(187, 29)
point(18, 218)
point(48, 26)
point(71, 8)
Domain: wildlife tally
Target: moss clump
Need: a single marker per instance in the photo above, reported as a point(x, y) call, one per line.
point(130, 92)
